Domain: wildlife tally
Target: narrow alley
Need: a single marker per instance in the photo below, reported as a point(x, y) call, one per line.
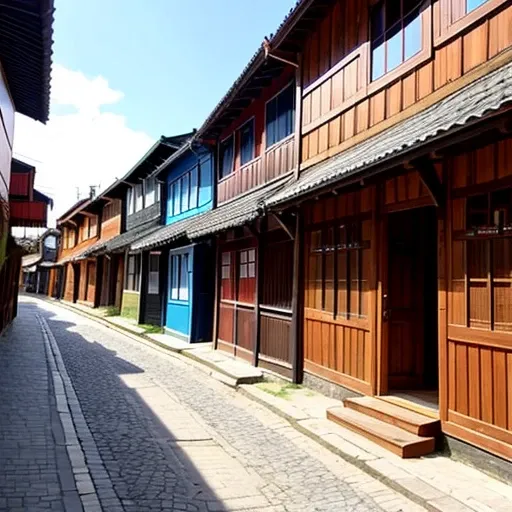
point(92, 420)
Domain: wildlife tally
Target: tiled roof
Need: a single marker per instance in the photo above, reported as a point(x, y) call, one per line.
point(124, 240)
point(481, 97)
point(234, 213)
point(164, 235)
point(26, 54)
point(31, 259)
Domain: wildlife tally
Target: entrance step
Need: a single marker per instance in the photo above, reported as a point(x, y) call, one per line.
point(395, 439)
point(413, 422)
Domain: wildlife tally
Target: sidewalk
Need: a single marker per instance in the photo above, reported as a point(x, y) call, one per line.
point(436, 482)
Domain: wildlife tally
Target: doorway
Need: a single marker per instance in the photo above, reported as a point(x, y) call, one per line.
point(410, 303)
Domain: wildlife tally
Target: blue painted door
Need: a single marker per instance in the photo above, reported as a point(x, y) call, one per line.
point(180, 292)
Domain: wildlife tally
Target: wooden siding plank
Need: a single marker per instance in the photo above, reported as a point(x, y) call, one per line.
point(452, 388)
point(425, 80)
point(377, 108)
point(500, 387)
point(349, 124)
point(325, 97)
point(475, 45)
point(509, 389)
point(409, 90)
point(323, 138)
point(500, 32)
point(337, 89)
point(362, 116)
point(334, 132)
point(474, 388)
point(486, 385)
point(394, 99)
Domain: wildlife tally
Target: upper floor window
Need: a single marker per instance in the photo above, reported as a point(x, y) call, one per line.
point(139, 197)
point(151, 188)
point(93, 227)
point(280, 115)
point(227, 156)
point(246, 141)
point(111, 210)
point(396, 34)
point(471, 5)
point(130, 201)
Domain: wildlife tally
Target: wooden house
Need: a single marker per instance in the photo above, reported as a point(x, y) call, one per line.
point(178, 275)
point(403, 270)
point(25, 63)
point(140, 213)
point(74, 277)
point(254, 132)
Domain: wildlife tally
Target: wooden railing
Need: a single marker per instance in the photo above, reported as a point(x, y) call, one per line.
point(276, 161)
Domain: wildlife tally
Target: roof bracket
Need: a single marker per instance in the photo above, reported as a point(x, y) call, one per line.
point(286, 57)
point(430, 179)
point(288, 229)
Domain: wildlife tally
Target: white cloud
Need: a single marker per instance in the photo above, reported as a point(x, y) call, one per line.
point(83, 143)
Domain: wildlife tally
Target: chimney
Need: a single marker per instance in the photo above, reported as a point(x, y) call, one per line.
point(92, 191)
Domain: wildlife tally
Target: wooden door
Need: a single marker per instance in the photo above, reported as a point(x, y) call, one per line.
point(403, 306)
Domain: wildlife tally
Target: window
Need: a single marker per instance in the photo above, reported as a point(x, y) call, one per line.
point(153, 276)
point(280, 116)
point(471, 5)
point(396, 34)
point(111, 210)
point(185, 190)
point(205, 181)
point(139, 197)
point(151, 187)
point(50, 242)
point(133, 273)
point(194, 187)
point(338, 269)
point(226, 157)
point(481, 286)
point(179, 284)
point(227, 284)
point(248, 264)
point(130, 201)
point(176, 198)
point(246, 141)
point(93, 226)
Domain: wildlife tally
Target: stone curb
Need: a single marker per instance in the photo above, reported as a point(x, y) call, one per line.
point(80, 445)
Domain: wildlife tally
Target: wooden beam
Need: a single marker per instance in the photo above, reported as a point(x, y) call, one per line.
point(296, 340)
point(285, 227)
point(428, 175)
point(260, 247)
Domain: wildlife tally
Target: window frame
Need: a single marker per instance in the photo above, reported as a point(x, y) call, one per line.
point(293, 86)
point(222, 176)
point(138, 186)
point(179, 180)
point(445, 32)
point(251, 120)
point(151, 290)
point(372, 86)
point(135, 279)
point(130, 201)
point(148, 203)
point(175, 292)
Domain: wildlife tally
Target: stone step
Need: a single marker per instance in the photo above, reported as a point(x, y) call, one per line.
point(413, 422)
point(395, 439)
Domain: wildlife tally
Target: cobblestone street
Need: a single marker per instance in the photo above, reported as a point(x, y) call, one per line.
point(152, 432)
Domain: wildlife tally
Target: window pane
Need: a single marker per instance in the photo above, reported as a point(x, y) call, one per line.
point(393, 13)
point(247, 142)
point(285, 113)
point(176, 194)
point(378, 59)
point(473, 4)
point(153, 287)
point(252, 270)
point(478, 270)
point(394, 51)
point(226, 157)
point(243, 257)
point(193, 187)
point(377, 22)
point(129, 200)
point(154, 260)
point(412, 36)
point(243, 270)
point(226, 258)
point(138, 197)
point(185, 184)
point(184, 278)
point(150, 191)
point(205, 182)
point(271, 122)
point(175, 276)
point(252, 255)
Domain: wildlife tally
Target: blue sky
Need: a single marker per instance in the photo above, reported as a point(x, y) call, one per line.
point(173, 60)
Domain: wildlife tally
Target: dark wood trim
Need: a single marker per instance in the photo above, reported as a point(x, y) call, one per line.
point(259, 288)
point(143, 287)
point(288, 229)
point(296, 336)
point(420, 202)
point(274, 365)
point(482, 188)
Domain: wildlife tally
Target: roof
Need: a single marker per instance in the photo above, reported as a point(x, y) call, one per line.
point(73, 210)
point(31, 259)
point(290, 22)
point(39, 196)
point(237, 212)
point(25, 52)
point(122, 241)
point(474, 101)
point(165, 234)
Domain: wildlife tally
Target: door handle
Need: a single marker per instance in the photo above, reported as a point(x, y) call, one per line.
point(385, 311)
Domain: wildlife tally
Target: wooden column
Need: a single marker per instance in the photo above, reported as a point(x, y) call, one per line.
point(216, 301)
point(296, 339)
point(260, 247)
point(298, 116)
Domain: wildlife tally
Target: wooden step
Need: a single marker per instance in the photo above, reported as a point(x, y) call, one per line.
point(411, 421)
point(395, 439)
